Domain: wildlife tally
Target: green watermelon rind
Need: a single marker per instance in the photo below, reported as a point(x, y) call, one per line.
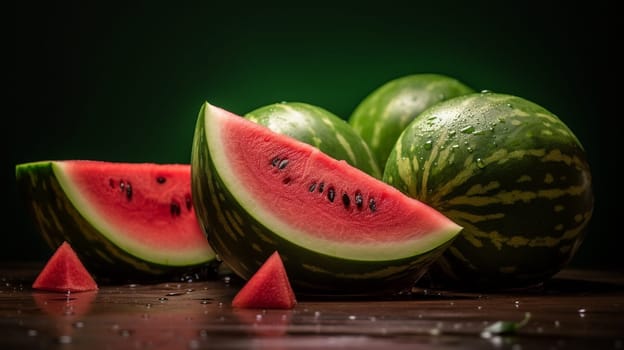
point(244, 243)
point(385, 112)
point(507, 170)
point(61, 214)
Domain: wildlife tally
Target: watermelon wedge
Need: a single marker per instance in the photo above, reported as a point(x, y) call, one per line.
point(338, 229)
point(268, 288)
point(64, 272)
point(126, 221)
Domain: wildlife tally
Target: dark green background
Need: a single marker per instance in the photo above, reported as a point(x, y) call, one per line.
point(124, 82)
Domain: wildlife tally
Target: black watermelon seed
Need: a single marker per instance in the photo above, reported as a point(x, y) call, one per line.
point(331, 193)
point(359, 200)
point(129, 191)
point(321, 187)
point(275, 161)
point(372, 205)
point(188, 201)
point(174, 208)
point(161, 179)
point(312, 187)
point(282, 164)
point(346, 201)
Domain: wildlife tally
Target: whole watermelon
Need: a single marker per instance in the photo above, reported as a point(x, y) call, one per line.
point(385, 112)
point(507, 170)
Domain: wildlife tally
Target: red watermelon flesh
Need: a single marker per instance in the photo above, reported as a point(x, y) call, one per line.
point(268, 288)
point(64, 272)
point(137, 198)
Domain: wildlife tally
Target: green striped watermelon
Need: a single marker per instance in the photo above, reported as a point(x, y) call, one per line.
point(384, 113)
point(320, 128)
point(126, 221)
point(507, 170)
point(338, 229)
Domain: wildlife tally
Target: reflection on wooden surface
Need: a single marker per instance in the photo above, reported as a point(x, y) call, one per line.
point(576, 310)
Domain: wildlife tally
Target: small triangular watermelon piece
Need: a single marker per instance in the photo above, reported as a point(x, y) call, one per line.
point(268, 288)
point(64, 272)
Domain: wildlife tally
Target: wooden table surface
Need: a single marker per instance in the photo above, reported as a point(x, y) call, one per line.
point(578, 309)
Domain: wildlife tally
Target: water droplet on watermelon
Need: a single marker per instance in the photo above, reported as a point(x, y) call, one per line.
point(467, 130)
point(452, 133)
point(469, 149)
point(480, 163)
point(352, 317)
point(428, 144)
point(509, 105)
point(125, 332)
point(486, 91)
point(65, 339)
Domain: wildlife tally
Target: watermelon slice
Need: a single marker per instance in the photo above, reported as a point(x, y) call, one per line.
point(126, 221)
point(64, 272)
point(268, 288)
point(338, 229)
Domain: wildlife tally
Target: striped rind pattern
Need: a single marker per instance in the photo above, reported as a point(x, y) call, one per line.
point(383, 114)
point(507, 170)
